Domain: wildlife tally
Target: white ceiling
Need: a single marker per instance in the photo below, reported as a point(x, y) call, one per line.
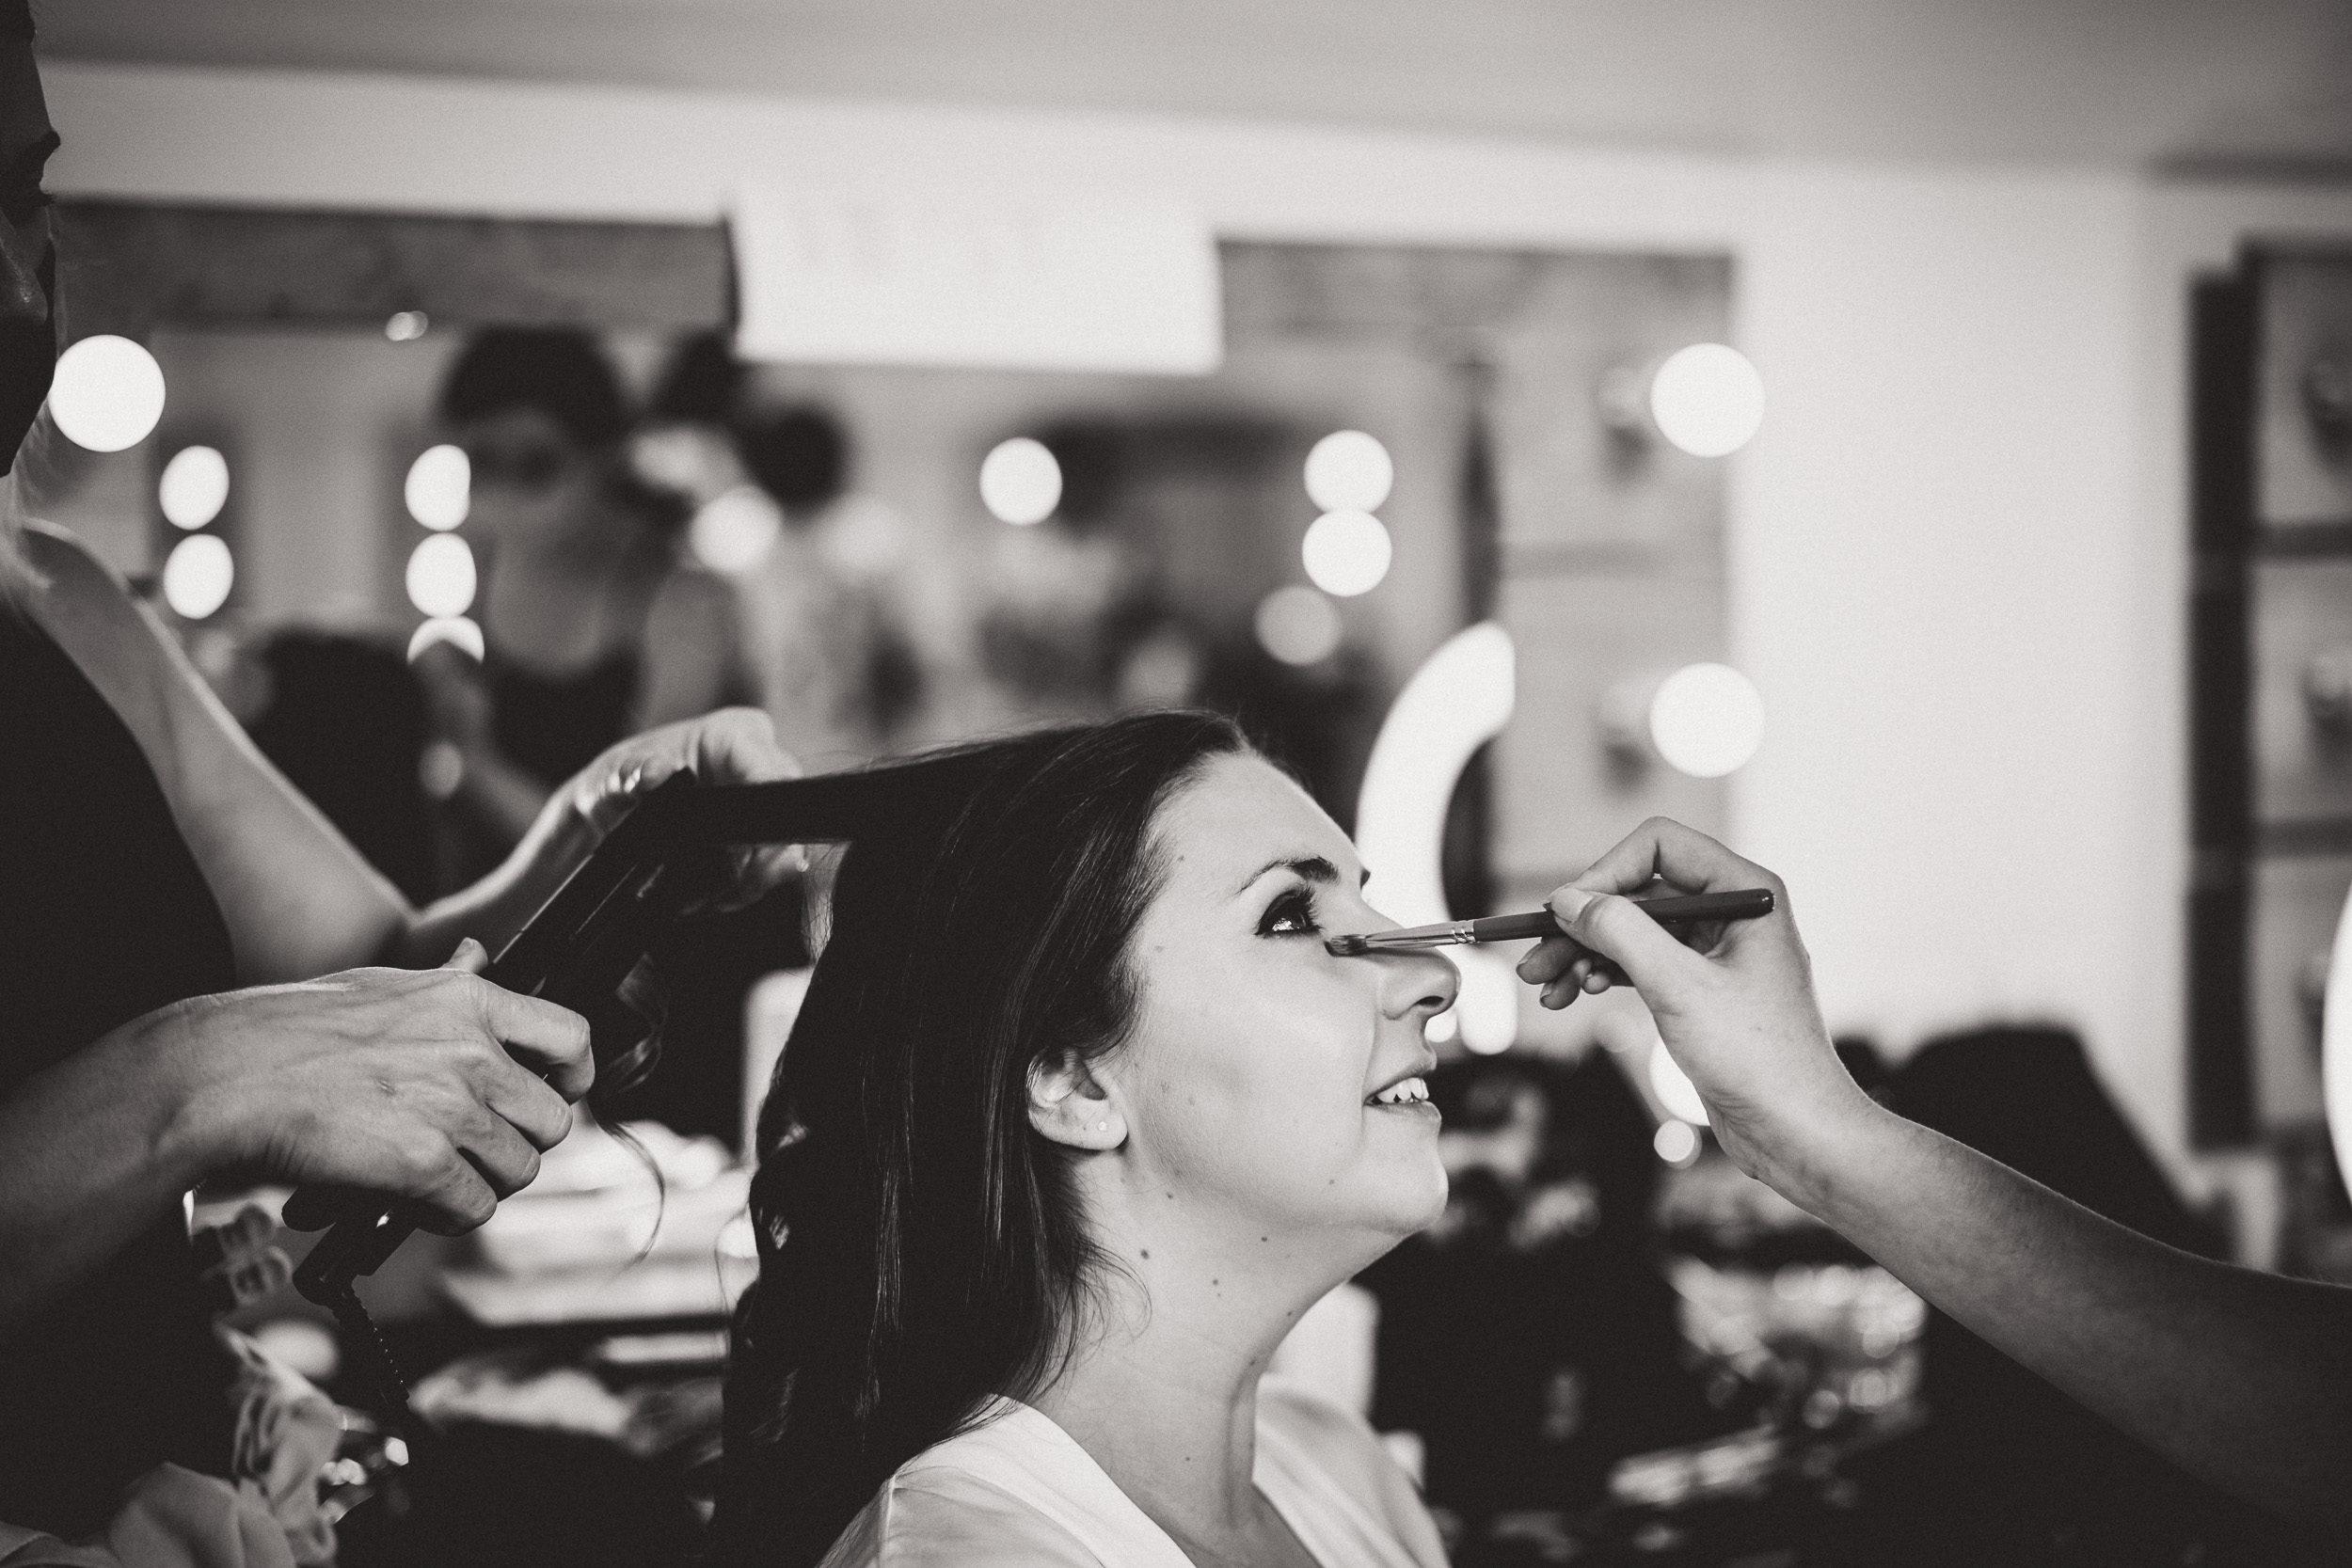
point(2248, 86)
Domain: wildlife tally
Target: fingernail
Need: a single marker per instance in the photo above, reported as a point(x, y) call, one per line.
point(1568, 902)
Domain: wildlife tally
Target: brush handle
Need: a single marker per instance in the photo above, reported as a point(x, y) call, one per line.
point(1746, 904)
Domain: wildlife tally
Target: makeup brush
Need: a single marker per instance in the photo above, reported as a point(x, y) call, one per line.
point(1746, 904)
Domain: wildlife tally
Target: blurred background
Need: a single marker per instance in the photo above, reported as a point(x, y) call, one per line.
point(1912, 442)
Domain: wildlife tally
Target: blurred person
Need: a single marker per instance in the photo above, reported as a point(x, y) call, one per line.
point(2241, 1378)
point(1078, 1117)
point(595, 626)
point(837, 669)
point(200, 977)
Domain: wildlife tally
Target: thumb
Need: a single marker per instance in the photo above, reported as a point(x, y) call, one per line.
point(1617, 930)
point(470, 956)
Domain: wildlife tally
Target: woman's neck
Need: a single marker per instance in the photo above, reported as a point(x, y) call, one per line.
point(1162, 1389)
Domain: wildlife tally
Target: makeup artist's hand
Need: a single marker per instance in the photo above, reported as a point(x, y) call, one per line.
point(735, 745)
point(429, 1085)
point(1733, 1000)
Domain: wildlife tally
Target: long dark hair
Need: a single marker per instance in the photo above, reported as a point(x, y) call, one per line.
point(921, 1247)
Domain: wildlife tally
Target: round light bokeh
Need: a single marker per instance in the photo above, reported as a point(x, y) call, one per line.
point(406, 326)
point(1349, 471)
point(1676, 1143)
point(1707, 720)
point(108, 393)
point(1346, 553)
point(736, 530)
point(438, 490)
point(440, 576)
point(1298, 626)
point(1707, 399)
point(194, 486)
point(455, 630)
point(1021, 481)
point(198, 576)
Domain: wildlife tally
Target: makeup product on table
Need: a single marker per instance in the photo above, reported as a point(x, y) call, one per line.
point(1745, 904)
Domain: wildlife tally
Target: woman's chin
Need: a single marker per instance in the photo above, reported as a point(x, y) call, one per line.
point(1416, 1197)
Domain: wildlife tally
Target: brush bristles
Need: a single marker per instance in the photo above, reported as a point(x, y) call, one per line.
point(1348, 946)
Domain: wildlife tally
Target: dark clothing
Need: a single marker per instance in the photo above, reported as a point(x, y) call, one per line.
point(104, 916)
point(555, 725)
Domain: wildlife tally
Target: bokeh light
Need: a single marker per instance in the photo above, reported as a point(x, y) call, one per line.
point(1707, 399)
point(736, 530)
point(440, 576)
point(198, 576)
point(108, 393)
point(1488, 1005)
point(1676, 1143)
point(1707, 720)
point(1673, 1088)
point(1021, 481)
point(439, 487)
point(194, 486)
point(1346, 553)
point(1349, 471)
point(406, 326)
point(1298, 626)
point(455, 630)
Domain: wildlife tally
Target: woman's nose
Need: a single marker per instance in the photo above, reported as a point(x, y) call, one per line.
point(1416, 980)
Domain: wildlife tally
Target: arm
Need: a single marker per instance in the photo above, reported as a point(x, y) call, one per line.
point(299, 901)
point(2239, 1377)
point(424, 1084)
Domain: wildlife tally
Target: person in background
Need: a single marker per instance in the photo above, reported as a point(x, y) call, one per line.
point(837, 671)
point(595, 626)
point(200, 977)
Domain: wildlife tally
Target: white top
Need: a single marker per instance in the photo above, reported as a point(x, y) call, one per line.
point(1019, 1490)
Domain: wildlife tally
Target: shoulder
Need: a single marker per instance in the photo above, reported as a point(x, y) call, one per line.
point(85, 605)
point(1340, 1441)
point(936, 1516)
point(69, 581)
point(1341, 1446)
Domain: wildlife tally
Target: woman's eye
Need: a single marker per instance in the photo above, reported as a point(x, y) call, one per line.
point(1291, 915)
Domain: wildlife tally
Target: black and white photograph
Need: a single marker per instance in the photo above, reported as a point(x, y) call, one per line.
point(1249, 783)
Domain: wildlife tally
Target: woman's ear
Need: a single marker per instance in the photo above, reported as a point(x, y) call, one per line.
point(1071, 1106)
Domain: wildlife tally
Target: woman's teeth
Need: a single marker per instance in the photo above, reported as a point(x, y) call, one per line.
point(1405, 1091)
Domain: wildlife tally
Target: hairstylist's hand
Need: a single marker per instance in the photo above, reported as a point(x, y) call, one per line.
point(429, 1085)
point(1733, 1000)
point(735, 745)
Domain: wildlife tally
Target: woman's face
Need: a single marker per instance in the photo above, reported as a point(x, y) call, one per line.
point(531, 483)
point(1260, 1083)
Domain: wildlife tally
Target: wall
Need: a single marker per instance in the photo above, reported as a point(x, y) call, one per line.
point(1957, 549)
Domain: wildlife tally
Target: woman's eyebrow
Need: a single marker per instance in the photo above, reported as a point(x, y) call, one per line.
point(1312, 868)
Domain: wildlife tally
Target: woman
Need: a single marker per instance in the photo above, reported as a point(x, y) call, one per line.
point(182, 990)
point(594, 627)
point(1078, 1117)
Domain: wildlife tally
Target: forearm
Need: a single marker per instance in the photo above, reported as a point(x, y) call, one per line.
point(93, 1150)
point(2239, 1377)
point(494, 908)
point(504, 796)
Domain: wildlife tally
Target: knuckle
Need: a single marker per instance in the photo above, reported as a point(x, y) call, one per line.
point(421, 1157)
